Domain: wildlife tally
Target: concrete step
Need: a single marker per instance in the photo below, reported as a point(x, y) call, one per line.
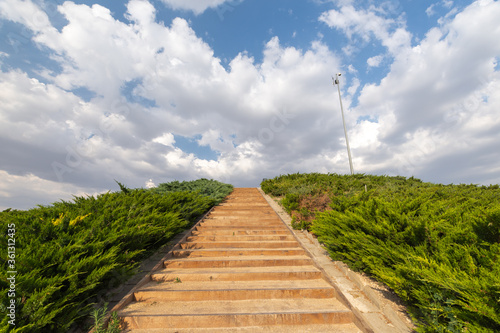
point(263, 212)
point(239, 232)
point(205, 226)
point(326, 328)
point(246, 216)
point(244, 290)
point(237, 274)
point(238, 238)
point(245, 203)
point(156, 295)
point(242, 222)
point(215, 262)
point(251, 252)
point(235, 313)
point(237, 285)
point(240, 270)
point(242, 214)
point(247, 244)
point(229, 226)
point(242, 207)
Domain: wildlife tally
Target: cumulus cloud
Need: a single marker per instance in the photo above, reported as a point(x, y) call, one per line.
point(437, 101)
point(375, 61)
point(436, 106)
point(367, 24)
point(26, 13)
point(196, 6)
point(21, 192)
point(257, 116)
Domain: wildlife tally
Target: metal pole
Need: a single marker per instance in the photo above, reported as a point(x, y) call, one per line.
point(337, 82)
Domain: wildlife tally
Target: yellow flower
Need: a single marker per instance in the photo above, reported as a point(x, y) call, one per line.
point(78, 219)
point(58, 220)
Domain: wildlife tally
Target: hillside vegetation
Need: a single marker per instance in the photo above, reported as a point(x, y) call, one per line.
point(209, 188)
point(68, 254)
point(437, 246)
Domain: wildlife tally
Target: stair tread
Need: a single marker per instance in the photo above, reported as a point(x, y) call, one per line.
point(240, 258)
point(199, 308)
point(245, 249)
point(246, 242)
point(237, 285)
point(240, 244)
point(240, 232)
point(216, 270)
point(337, 328)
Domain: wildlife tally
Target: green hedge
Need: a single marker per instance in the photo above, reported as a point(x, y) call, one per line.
point(436, 246)
point(210, 188)
point(67, 255)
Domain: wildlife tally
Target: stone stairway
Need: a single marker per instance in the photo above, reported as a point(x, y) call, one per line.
point(239, 270)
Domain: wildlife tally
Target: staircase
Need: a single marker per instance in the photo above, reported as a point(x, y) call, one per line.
point(240, 270)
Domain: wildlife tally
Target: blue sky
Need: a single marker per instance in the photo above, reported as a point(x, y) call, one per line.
point(147, 92)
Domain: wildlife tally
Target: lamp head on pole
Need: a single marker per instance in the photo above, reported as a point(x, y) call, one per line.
point(336, 80)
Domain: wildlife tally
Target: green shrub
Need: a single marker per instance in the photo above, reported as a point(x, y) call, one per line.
point(69, 254)
point(436, 246)
point(210, 188)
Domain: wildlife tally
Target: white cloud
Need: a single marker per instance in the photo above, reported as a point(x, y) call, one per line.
point(256, 115)
point(215, 140)
point(167, 139)
point(26, 13)
point(262, 118)
point(354, 86)
point(196, 6)
point(21, 192)
point(33, 112)
point(375, 61)
point(150, 184)
point(368, 23)
point(447, 3)
point(430, 10)
point(437, 102)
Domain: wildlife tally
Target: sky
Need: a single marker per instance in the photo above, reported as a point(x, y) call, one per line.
point(149, 91)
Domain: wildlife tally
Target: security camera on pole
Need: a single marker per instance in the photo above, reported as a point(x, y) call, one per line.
point(337, 82)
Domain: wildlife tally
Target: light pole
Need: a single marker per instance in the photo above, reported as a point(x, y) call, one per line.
point(337, 82)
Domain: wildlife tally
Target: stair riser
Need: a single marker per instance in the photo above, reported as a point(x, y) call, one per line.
point(233, 227)
point(257, 224)
point(238, 238)
point(243, 223)
point(205, 254)
point(240, 233)
point(245, 205)
point(238, 320)
point(236, 263)
point(243, 208)
point(236, 276)
point(231, 295)
point(239, 245)
point(243, 213)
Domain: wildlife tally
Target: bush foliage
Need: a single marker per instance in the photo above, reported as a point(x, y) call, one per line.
point(69, 254)
point(210, 188)
point(437, 246)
